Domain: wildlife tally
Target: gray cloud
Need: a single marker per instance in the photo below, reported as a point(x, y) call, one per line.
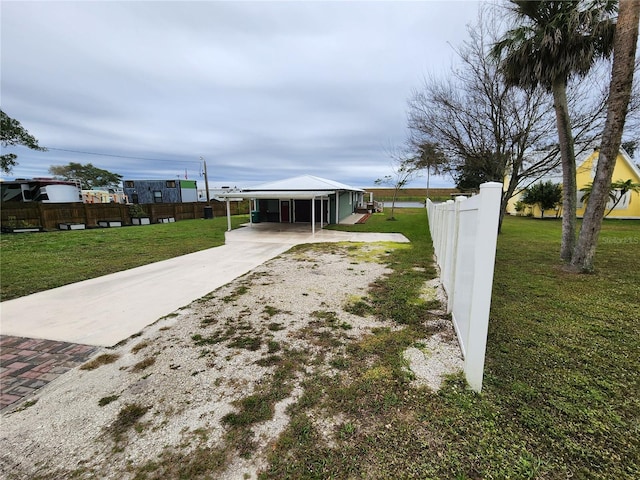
point(262, 90)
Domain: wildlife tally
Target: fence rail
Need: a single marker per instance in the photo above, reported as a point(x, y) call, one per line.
point(464, 234)
point(50, 215)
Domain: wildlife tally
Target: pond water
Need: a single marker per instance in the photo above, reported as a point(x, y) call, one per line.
point(404, 204)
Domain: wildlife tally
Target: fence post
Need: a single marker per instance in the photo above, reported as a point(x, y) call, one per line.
point(485, 254)
point(453, 257)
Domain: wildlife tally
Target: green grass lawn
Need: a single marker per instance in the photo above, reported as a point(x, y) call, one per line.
point(562, 359)
point(560, 397)
point(31, 263)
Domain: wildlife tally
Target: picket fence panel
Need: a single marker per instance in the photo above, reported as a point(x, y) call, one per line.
point(464, 234)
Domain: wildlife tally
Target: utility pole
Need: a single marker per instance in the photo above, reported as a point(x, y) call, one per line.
point(206, 180)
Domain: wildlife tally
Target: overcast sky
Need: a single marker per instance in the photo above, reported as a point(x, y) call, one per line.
point(261, 90)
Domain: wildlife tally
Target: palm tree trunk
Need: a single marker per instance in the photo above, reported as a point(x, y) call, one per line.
point(569, 192)
point(624, 51)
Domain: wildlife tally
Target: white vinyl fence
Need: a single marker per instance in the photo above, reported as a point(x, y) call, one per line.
point(464, 234)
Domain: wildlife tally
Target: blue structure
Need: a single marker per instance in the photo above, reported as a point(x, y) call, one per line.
point(160, 191)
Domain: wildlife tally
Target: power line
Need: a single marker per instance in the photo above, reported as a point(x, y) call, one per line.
point(119, 156)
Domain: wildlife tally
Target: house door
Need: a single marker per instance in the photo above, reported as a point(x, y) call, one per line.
point(284, 211)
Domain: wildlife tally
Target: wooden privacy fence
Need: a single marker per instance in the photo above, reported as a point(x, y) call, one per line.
point(50, 215)
point(464, 234)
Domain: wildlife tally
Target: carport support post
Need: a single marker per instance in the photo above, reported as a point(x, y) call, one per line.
point(228, 215)
point(313, 215)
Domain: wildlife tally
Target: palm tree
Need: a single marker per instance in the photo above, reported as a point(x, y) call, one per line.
point(617, 191)
point(588, 188)
point(555, 41)
point(431, 157)
point(624, 52)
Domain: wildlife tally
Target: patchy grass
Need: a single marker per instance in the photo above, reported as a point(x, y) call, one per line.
point(218, 336)
point(128, 417)
point(247, 342)
point(139, 346)
point(560, 391)
point(208, 462)
point(331, 319)
point(33, 263)
point(26, 404)
point(107, 400)
point(557, 399)
point(233, 296)
point(143, 364)
point(375, 252)
point(103, 359)
point(270, 311)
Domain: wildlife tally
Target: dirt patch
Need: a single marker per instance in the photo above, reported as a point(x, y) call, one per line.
point(212, 380)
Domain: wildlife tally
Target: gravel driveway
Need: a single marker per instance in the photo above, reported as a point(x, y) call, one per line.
point(178, 387)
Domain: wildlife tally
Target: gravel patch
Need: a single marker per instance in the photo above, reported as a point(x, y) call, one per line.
point(182, 375)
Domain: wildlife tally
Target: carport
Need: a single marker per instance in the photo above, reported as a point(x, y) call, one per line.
point(283, 199)
point(304, 199)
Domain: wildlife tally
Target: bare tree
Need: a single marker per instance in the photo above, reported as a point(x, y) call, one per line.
point(481, 123)
point(403, 171)
point(477, 121)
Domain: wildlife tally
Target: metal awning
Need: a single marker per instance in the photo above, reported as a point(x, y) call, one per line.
point(280, 194)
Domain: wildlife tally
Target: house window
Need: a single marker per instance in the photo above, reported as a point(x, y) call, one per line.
point(128, 184)
point(622, 199)
point(619, 203)
point(171, 184)
point(157, 196)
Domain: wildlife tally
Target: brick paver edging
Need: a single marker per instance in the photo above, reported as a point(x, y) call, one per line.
point(27, 364)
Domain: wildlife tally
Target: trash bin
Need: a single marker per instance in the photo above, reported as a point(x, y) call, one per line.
point(255, 216)
point(208, 212)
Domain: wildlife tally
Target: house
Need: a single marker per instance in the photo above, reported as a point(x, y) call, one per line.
point(45, 190)
point(103, 195)
point(627, 207)
point(160, 191)
point(303, 199)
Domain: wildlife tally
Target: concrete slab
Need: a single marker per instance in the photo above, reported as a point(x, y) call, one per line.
point(298, 233)
point(105, 310)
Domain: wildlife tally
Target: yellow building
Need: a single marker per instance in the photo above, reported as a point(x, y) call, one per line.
point(627, 207)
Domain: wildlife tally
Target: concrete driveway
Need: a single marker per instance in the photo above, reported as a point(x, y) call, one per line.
point(105, 310)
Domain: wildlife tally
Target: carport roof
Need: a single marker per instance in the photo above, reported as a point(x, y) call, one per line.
point(303, 182)
point(302, 187)
point(288, 194)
